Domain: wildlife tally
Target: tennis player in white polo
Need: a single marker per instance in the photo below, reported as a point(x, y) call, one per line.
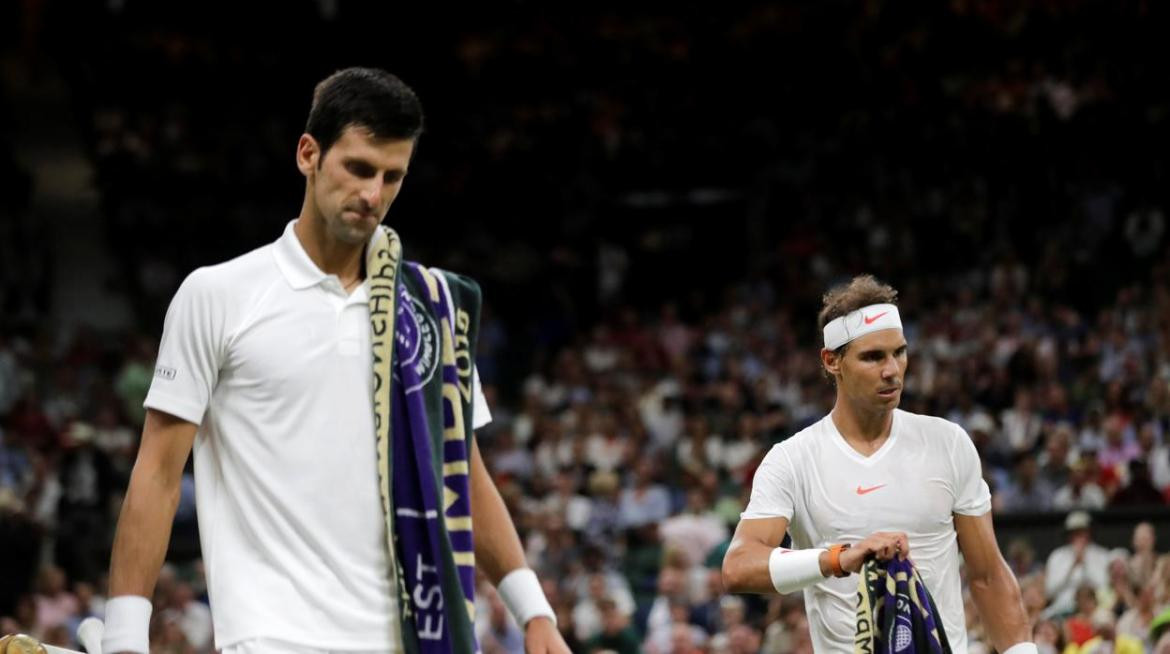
point(266, 371)
point(870, 480)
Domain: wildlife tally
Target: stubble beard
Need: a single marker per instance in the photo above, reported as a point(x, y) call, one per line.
point(351, 233)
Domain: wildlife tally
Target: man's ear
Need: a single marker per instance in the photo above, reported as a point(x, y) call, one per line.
point(831, 362)
point(308, 154)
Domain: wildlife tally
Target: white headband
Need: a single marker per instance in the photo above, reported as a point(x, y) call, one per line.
point(865, 320)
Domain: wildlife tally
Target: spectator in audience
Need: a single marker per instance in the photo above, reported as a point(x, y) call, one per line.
point(744, 450)
point(733, 614)
point(1162, 580)
point(1027, 491)
point(645, 501)
point(1117, 596)
point(15, 475)
point(554, 448)
point(114, 439)
point(510, 458)
point(1160, 632)
point(1107, 639)
point(604, 515)
point(664, 636)
point(1032, 594)
point(55, 605)
point(696, 531)
point(1139, 490)
point(616, 635)
point(787, 624)
point(1021, 425)
point(84, 512)
point(192, 617)
point(1057, 456)
point(671, 590)
point(1117, 450)
point(709, 613)
point(1022, 558)
point(1157, 456)
point(700, 449)
point(1080, 563)
point(742, 639)
point(499, 633)
point(1144, 557)
point(1081, 492)
point(684, 639)
point(1048, 637)
point(566, 504)
point(587, 612)
point(1080, 626)
point(605, 447)
point(1135, 622)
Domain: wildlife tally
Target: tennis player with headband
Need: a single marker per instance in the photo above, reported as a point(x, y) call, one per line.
point(872, 481)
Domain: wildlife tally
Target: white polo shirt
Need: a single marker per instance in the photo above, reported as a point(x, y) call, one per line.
point(926, 471)
point(272, 359)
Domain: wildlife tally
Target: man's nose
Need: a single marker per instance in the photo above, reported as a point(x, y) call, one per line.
point(371, 193)
point(890, 368)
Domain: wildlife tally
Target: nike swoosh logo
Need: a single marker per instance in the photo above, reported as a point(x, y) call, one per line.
point(869, 321)
point(863, 491)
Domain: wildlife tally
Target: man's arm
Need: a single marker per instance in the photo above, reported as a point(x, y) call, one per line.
point(993, 586)
point(498, 551)
point(497, 545)
point(747, 564)
point(144, 526)
point(144, 529)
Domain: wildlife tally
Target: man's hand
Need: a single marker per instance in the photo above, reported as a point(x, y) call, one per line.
point(541, 637)
point(883, 546)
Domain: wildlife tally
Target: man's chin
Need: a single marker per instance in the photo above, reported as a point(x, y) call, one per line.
point(355, 233)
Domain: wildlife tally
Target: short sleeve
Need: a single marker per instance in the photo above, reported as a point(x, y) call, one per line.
point(972, 496)
point(481, 415)
point(190, 351)
point(773, 487)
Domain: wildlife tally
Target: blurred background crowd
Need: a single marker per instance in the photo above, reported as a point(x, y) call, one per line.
point(654, 203)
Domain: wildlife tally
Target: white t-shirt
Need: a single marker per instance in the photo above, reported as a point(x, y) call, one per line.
point(926, 471)
point(272, 359)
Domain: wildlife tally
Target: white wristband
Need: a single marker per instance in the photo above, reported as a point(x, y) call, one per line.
point(522, 594)
point(127, 625)
point(1022, 648)
point(793, 570)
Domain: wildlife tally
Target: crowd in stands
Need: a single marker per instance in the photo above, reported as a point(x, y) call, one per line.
point(658, 236)
point(629, 456)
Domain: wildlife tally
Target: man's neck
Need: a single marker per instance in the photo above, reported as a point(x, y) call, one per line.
point(864, 431)
point(332, 256)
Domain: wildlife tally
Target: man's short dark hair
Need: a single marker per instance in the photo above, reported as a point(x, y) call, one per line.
point(368, 98)
point(860, 292)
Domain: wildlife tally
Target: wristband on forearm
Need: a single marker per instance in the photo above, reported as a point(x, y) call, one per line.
point(1022, 648)
point(793, 570)
point(521, 592)
point(127, 625)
